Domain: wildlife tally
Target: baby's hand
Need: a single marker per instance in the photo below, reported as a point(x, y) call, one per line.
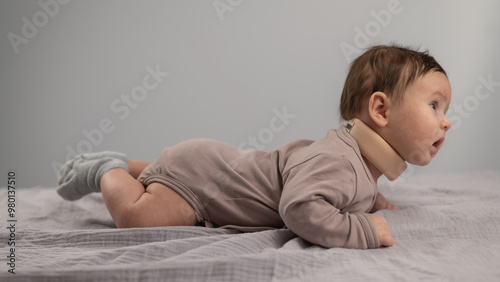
point(382, 229)
point(382, 203)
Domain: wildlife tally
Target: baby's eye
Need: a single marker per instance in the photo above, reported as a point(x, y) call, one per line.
point(433, 105)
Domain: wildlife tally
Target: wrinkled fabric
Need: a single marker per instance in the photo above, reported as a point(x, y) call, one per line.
point(445, 229)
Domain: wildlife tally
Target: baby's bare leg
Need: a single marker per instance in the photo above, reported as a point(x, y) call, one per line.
point(130, 205)
point(135, 167)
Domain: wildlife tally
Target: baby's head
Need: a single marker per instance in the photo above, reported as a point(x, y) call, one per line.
point(403, 95)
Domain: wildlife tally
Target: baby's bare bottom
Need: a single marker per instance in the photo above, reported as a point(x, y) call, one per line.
point(132, 205)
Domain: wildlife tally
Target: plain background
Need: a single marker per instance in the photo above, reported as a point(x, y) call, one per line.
point(232, 66)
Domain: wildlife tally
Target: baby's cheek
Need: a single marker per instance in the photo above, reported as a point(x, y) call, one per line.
point(420, 153)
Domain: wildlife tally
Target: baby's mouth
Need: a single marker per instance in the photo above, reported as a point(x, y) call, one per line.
point(436, 145)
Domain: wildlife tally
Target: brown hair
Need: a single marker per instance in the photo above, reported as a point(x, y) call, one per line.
point(389, 69)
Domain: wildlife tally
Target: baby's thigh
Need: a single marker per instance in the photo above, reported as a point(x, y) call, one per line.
point(162, 206)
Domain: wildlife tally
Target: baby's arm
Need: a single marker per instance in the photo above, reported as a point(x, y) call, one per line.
point(312, 202)
point(381, 227)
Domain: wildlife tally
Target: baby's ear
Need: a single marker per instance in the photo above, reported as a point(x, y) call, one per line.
point(377, 108)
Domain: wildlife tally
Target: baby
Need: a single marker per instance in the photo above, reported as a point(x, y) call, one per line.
point(325, 191)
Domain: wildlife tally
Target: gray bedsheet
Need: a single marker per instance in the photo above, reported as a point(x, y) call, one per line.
point(447, 228)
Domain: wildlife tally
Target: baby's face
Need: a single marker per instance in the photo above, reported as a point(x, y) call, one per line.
point(418, 124)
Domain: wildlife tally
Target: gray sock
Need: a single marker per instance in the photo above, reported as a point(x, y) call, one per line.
point(102, 155)
point(83, 174)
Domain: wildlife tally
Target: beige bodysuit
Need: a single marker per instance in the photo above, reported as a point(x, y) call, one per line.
point(321, 190)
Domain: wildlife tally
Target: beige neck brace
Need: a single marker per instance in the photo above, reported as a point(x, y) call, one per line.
point(376, 150)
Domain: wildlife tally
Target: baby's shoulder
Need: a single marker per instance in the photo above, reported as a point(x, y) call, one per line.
point(323, 156)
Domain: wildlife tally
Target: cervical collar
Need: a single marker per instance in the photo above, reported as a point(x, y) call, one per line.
point(376, 150)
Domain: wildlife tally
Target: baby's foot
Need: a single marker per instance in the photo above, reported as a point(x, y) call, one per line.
point(82, 175)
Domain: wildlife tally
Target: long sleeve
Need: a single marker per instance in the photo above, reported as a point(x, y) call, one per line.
point(316, 194)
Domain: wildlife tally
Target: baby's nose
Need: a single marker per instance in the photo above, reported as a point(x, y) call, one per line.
point(446, 124)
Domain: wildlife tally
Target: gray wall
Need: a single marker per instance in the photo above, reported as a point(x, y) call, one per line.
point(74, 76)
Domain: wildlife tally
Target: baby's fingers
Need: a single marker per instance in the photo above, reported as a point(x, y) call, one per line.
point(382, 229)
point(391, 206)
point(386, 239)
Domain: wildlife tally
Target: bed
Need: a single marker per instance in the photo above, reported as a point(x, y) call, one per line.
point(447, 228)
